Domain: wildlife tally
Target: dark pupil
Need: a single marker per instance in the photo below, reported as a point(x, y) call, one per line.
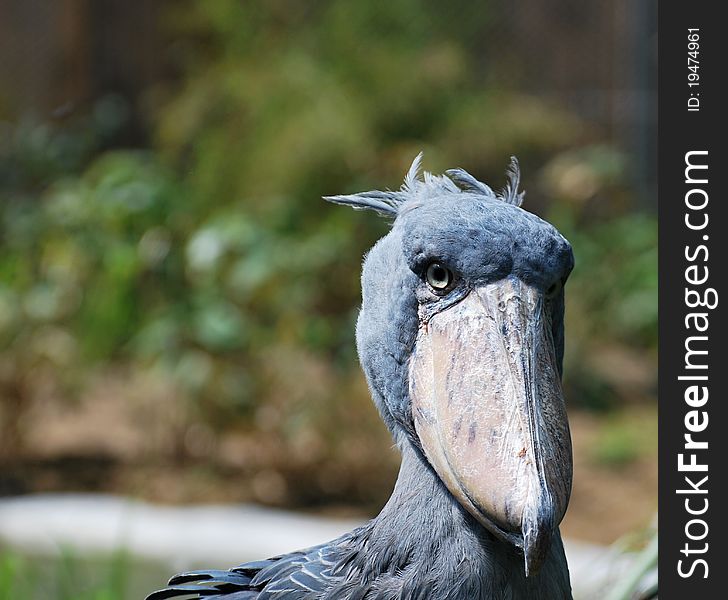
point(438, 276)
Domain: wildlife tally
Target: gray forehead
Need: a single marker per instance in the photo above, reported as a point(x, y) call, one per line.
point(479, 235)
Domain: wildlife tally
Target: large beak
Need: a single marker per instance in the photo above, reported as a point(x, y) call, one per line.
point(489, 411)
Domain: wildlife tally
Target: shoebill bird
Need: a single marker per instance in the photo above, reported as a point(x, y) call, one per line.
point(461, 337)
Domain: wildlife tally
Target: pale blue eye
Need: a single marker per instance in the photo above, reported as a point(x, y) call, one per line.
point(438, 277)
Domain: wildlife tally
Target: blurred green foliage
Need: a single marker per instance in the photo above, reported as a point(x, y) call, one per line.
point(210, 258)
point(624, 437)
point(65, 577)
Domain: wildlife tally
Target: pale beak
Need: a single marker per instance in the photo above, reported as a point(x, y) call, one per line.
point(489, 411)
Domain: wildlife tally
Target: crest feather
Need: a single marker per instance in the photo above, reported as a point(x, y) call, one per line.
point(410, 180)
point(385, 203)
point(510, 193)
point(426, 186)
point(466, 182)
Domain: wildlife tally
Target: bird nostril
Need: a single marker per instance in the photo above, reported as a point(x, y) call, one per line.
point(552, 289)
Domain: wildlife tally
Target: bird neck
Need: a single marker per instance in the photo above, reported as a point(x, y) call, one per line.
point(423, 538)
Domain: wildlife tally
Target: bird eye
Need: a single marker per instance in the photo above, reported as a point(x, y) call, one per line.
point(439, 278)
point(554, 289)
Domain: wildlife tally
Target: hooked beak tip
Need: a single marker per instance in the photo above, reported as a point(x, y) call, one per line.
point(538, 531)
point(533, 558)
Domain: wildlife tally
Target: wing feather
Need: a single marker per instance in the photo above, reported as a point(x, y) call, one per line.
point(299, 575)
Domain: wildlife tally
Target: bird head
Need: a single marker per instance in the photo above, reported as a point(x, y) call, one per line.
point(460, 335)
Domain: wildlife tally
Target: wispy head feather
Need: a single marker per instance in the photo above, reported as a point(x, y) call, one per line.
point(510, 192)
point(427, 186)
point(466, 182)
point(410, 180)
point(385, 203)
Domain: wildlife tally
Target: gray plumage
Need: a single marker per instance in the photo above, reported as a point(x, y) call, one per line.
point(424, 544)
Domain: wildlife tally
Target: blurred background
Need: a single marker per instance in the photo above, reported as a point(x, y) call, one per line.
point(177, 304)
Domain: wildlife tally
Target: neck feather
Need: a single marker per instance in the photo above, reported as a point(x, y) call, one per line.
point(424, 544)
